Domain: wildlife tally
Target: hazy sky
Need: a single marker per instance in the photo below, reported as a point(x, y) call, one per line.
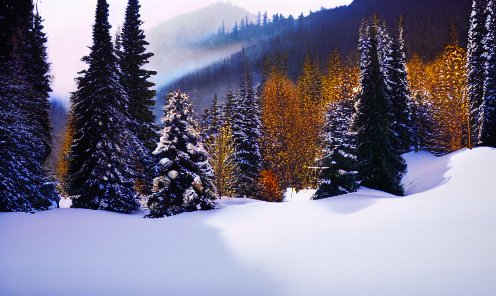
point(68, 25)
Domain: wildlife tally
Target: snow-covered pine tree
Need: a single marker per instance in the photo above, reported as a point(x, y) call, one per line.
point(23, 186)
point(399, 94)
point(101, 161)
point(381, 167)
point(487, 130)
point(476, 65)
point(134, 79)
point(246, 132)
point(185, 179)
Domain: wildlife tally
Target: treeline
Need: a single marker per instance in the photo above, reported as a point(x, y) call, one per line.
point(349, 125)
point(426, 25)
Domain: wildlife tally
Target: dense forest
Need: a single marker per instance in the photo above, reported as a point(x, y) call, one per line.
point(300, 110)
point(427, 27)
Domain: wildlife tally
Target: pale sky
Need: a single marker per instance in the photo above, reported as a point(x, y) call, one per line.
point(68, 24)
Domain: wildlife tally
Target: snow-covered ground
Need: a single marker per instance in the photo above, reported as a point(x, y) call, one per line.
point(440, 239)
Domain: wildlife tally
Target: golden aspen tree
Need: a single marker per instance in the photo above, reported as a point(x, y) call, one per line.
point(306, 146)
point(279, 118)
point(449, 95)
point(221, 149)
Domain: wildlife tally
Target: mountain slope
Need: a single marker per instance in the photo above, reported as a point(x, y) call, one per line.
point(427, 31)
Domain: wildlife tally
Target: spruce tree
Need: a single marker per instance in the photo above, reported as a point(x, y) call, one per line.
point(487, 131)
point(399, 94)
point(381, 167)
point(476, 65)
point(185, 179)
point(101, 161)
point(134, 78)
point(339, 176)
point(133, 57)
point(23, 186)
point(246, 133)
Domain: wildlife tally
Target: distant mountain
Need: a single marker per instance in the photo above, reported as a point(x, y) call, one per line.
point(427, 27)
point(174, 42)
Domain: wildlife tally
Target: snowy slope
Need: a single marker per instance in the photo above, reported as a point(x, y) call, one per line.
point(438, 240)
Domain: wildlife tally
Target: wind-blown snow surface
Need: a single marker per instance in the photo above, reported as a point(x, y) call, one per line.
point(439, 240)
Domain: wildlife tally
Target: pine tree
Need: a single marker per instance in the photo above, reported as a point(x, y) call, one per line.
point(381, 167)
point(22, 181)
point(399, 94)
point(421, 105)
point(246, 134)
point(487, 130)
point(132, 55)
point(476, 64)
point(102, 155)
point(185, 180)
point(134, 78)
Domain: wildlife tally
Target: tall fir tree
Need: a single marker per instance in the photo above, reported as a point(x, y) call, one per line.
point(476, 65)
point(22, 179)
point(184, 181)
point(134, 78)
point(399, 93)
point(131, 50)
point(101, 161)
point(381, 167)
point(246, 133)
point(487, 130)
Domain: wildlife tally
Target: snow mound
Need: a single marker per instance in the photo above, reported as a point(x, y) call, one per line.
point(440, 239)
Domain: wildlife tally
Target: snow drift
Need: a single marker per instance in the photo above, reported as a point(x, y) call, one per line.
point(439, 239)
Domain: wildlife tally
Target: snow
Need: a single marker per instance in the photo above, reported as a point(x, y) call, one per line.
point(440, 239)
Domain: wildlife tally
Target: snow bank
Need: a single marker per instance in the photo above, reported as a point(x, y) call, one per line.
point(439, 239)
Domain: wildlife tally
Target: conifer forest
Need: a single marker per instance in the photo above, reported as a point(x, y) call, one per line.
point(336, 103)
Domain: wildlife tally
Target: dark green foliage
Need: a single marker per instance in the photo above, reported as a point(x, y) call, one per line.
point(380, 166)
point(340, 175)
point(246, 133)
point(185, 180)
point(399, 94)
point(134, 78)
point(22, 183)
point(476, 64)
point(487, 130)
point(102, 155)
point(130, 48)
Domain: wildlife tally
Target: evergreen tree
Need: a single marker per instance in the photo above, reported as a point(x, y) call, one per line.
point(101, 161)
point(421, 105)
point(185, 180)
point(476, 64)
point(339, 176)
point(487, 130)
point(134, 79)
point(381, 167)
point(22, 181)
point(246, 132)
point(399, 94)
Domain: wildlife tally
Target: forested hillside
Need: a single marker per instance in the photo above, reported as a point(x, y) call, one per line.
point(427, 26)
